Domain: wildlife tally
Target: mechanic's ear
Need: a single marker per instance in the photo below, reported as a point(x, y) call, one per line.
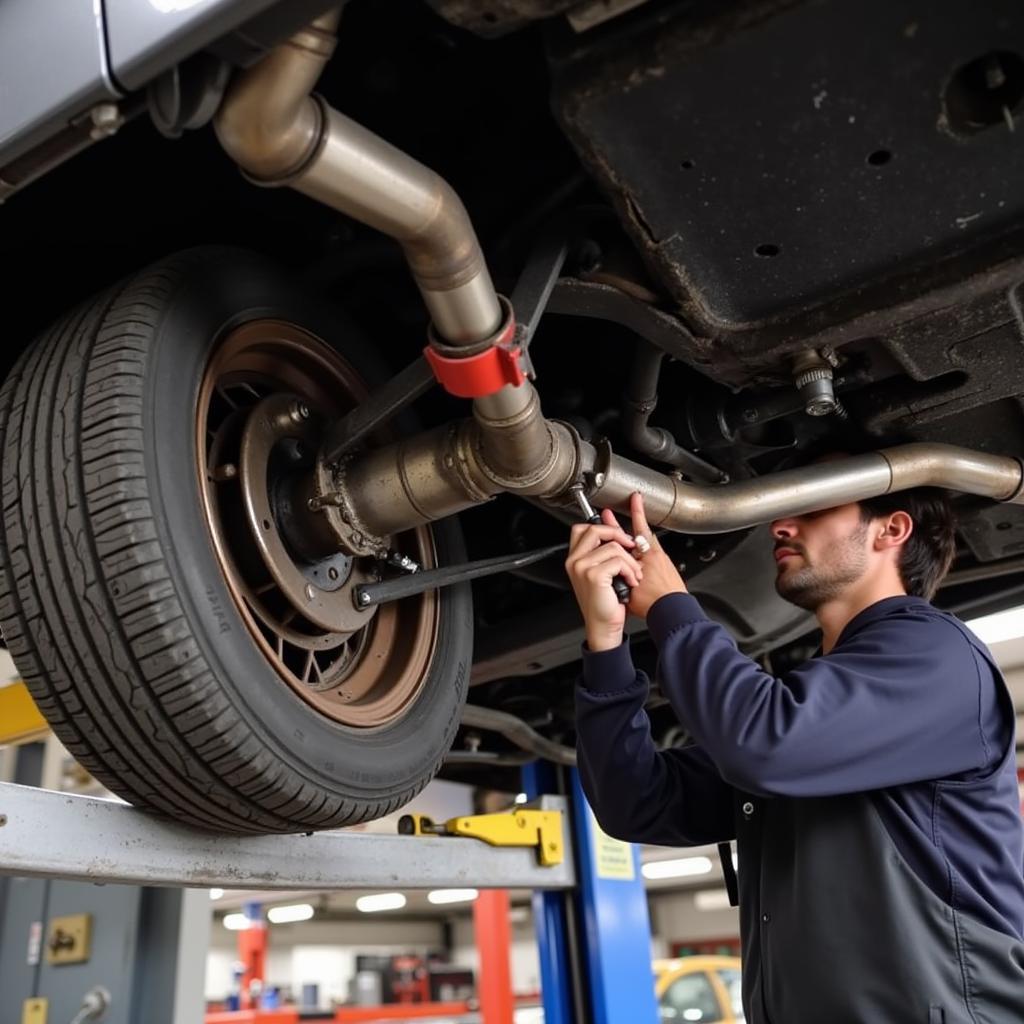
point(893, 530)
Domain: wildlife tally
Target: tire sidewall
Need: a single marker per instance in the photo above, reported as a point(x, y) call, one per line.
point(220, 290)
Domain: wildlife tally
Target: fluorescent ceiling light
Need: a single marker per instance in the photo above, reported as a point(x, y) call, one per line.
point(236, 922)
point(681, 867)
point(712, 899)
point(293, 912)
point(994, 629)
point(452, 895)
point(380, 901)
point(215, 894)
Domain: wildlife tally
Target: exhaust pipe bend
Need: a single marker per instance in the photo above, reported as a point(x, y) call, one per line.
point(280, 134)
point(361, 175)
point(687, 508)
point(269, 123)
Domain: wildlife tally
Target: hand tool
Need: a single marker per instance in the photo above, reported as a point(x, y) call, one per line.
point(619, 585)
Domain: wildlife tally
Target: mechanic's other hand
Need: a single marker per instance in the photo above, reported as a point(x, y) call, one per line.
point(660, 576)
point(597, 554)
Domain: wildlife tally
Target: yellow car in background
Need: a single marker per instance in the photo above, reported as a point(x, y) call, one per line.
point(701, 989)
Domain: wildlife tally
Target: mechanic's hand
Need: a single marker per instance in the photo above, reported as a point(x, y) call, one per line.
point(597, 554)
point(660, 576)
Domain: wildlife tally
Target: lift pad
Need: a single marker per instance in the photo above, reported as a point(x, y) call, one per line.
point(539, 829)
point(57, 835)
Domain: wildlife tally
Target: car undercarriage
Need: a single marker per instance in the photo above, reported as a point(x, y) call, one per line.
point(720, 237)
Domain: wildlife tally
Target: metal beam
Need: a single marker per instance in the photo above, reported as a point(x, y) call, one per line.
point(59, 835)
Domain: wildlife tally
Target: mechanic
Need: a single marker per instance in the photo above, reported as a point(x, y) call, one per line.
point(872, 791)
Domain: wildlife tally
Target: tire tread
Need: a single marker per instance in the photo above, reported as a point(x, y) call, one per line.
point(87, 601)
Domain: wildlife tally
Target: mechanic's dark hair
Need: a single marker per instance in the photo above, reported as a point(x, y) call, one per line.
point(928, 553)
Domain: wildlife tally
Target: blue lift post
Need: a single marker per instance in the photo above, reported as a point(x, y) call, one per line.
point(550, 925)
point(615, 945)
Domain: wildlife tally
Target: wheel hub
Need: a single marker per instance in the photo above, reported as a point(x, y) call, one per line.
point(279, 443)
point(267, 393)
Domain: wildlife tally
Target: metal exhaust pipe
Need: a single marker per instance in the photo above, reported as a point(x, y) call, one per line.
point(433, 475)
point(272, 125)
point(673, 504)
point(281, 134)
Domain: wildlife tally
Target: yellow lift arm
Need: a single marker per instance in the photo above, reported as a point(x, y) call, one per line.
point(521, 827)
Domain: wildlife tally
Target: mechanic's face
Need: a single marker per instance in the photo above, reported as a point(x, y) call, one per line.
point(818, 556)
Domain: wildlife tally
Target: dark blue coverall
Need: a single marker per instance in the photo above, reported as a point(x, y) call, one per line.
point(873, 795)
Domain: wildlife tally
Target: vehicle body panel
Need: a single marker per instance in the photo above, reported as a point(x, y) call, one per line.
point(49, 74)
point(147, 37)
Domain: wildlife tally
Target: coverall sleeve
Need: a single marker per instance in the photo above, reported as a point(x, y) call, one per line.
point(899, 701)
point(673, 797)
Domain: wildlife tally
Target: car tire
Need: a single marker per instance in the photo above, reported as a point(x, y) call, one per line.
point(121, 609)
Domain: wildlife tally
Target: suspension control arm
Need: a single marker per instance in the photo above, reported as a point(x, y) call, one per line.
point(368, 594)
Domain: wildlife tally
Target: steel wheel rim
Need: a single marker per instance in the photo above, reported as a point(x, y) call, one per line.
point(363, 679)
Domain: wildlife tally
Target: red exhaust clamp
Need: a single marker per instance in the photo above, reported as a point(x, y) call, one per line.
point(481, 373)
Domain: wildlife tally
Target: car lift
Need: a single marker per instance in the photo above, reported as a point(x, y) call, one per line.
point(590, 908)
